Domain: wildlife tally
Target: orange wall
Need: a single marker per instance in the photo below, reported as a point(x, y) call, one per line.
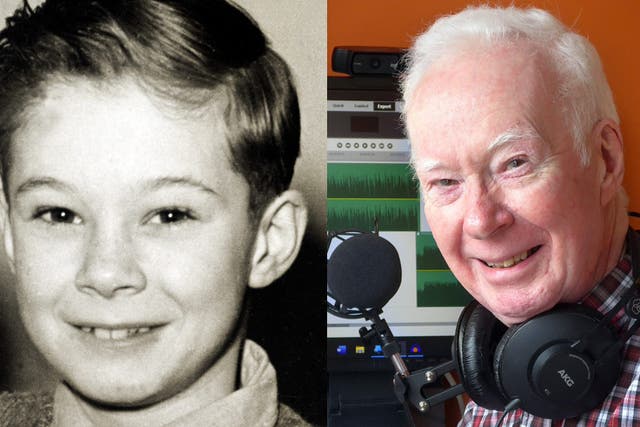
point(613, 27)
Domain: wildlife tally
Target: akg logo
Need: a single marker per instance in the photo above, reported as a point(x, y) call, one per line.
point(566, 378)
point(635, 307)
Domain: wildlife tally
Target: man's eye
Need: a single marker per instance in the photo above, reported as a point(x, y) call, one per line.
point(58, 216)
point(171, 216)
point(446, 182)
point(515, 163)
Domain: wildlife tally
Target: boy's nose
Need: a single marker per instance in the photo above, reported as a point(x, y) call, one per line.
point(110, 267)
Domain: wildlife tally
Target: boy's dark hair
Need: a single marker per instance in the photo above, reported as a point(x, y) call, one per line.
point(186, 52)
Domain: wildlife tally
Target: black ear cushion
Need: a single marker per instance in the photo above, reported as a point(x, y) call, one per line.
point(477, 334)
point(498, 355)
point(522, 344)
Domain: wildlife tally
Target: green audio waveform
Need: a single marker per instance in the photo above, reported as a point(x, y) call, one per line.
point(436, 284)
point(428, 256)
point(440, 289)
point(370, 180)
point(392, 215)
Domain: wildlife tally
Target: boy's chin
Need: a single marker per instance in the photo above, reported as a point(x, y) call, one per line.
point(121, 395)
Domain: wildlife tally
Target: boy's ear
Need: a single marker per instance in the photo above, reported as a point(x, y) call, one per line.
point(278, 238)
point(5, 228)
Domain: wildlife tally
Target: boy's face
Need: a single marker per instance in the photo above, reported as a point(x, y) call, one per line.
point(131, 241)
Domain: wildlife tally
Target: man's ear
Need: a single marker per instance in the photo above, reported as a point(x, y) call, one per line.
point(609, 151)
point(278, 238)
point(5, 228)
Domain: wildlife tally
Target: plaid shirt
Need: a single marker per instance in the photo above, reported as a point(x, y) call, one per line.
point(622, 406)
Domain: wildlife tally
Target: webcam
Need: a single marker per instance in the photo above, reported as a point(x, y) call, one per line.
point(361, 60)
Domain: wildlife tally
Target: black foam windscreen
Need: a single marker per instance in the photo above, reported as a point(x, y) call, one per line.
point(364, 271)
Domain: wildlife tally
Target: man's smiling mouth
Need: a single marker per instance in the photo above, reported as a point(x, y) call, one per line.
point(514, 260)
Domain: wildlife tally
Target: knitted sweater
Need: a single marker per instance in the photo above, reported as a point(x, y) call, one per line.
point(254, 404)
point(36, 410)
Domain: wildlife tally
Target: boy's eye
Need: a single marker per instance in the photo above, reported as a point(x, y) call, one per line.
point(169, 216)
point(59, 216)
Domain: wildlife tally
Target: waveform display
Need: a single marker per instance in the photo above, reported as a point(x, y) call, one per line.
point(436, 284)
point(371, 180)
point(440, 289)
point(392, 215)
point(428, 256)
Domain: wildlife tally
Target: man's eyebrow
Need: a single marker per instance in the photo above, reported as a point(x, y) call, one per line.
point(507, 137)
point(425, 165)
point(511, 136)
point(38, 182)
point(177, 181)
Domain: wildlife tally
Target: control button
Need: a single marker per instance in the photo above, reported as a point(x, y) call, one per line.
point(415, 350)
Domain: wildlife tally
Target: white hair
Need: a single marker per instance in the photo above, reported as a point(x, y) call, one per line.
point(582, 87)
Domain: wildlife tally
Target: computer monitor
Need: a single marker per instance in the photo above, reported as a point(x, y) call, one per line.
point(369, 179)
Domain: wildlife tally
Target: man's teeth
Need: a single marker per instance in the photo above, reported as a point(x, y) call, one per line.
point(511, 261)
point(114, 334)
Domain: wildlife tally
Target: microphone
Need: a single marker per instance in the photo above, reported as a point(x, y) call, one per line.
point(364, 272)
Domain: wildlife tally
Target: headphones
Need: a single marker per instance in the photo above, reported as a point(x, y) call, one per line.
point(559, 364)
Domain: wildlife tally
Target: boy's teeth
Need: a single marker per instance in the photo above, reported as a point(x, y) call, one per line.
point(118, 334)
point(102, 334)
point(510, 262)
point(114, 334)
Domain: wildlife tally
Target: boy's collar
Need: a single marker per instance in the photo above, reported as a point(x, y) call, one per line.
point(254, 403)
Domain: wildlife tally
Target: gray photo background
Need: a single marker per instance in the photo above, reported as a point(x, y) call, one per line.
point(288, 318)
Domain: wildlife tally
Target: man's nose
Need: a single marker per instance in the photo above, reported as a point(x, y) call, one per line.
point(110, 267)
point(484, 213)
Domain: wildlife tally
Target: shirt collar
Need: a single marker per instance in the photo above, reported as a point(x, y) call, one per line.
point(612, 288)
point(254, 403)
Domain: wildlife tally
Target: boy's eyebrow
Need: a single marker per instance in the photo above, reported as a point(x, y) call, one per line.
point(170, 181)
point(151, 185)
point(43, 181)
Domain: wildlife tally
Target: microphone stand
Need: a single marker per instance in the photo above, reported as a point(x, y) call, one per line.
point(408, 387)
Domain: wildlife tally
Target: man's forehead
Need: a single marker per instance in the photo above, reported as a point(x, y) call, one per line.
point(474, 88)
point(474, 69)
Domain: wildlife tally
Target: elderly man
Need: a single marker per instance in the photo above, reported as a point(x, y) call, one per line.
point(517, 146)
